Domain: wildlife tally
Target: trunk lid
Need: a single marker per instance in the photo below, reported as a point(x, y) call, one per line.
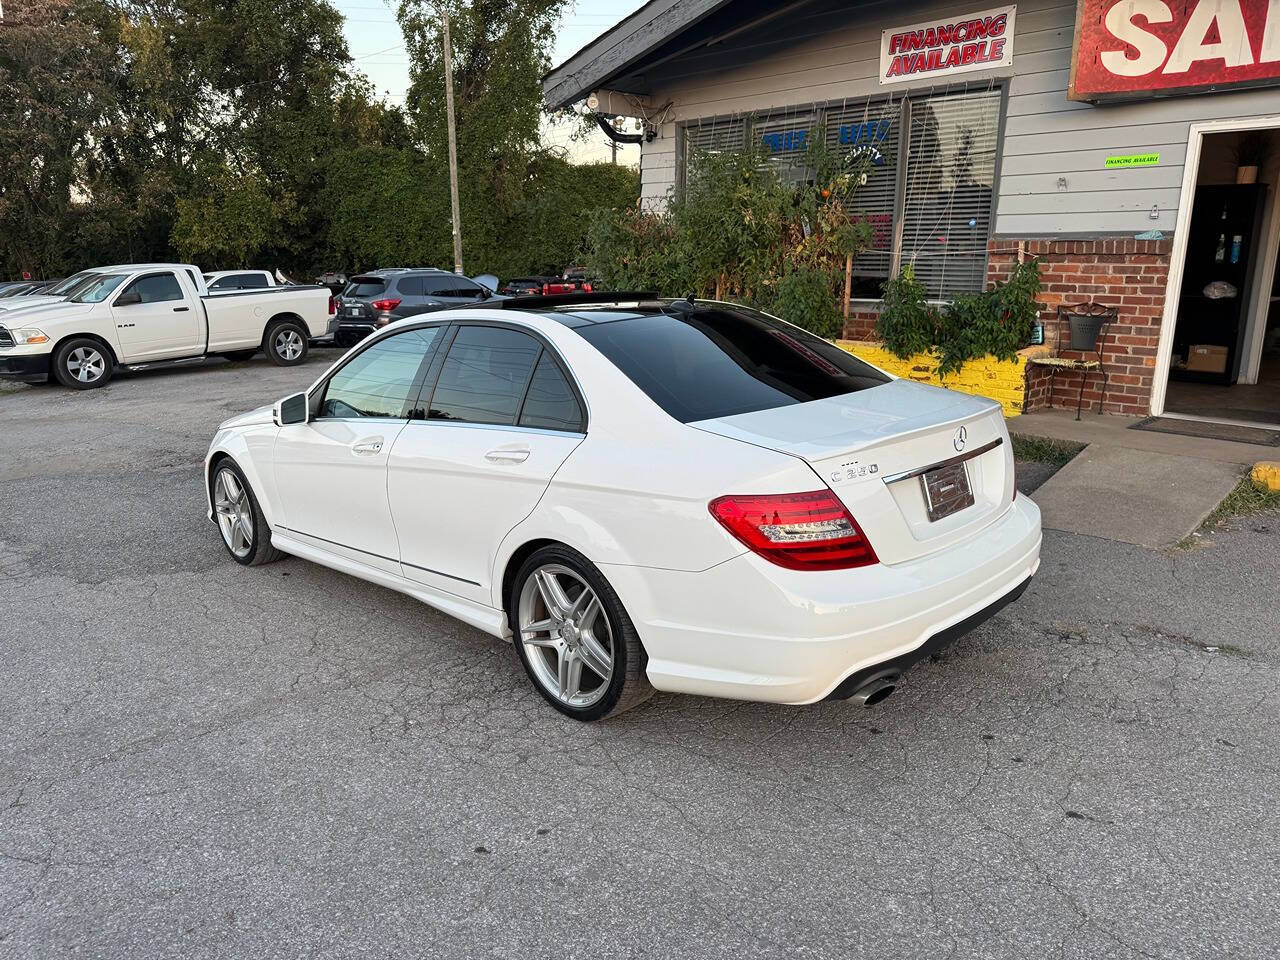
point(870, 448)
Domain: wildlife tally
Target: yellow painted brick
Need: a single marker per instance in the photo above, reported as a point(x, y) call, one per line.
point(1001, 380)
point(1266, 475)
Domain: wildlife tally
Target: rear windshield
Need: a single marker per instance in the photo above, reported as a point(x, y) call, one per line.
point(714, 362)
point(365, 287)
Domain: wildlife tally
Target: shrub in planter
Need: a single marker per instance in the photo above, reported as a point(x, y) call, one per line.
point(996, 322)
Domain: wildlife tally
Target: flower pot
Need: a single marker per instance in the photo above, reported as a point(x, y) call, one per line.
point(1247, 174)
point(1084, 332)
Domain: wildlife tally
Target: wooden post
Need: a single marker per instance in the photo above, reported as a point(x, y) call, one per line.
point(848, 282)
point(453, 148)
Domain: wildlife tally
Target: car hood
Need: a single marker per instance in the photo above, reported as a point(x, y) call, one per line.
point(48, 315)
point(255, 417)
point(27, 303)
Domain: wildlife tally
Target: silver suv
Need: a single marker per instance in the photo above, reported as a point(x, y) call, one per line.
point(372, 300)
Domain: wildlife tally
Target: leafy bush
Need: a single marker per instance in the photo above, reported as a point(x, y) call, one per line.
point(740, 232)
point(996, 322)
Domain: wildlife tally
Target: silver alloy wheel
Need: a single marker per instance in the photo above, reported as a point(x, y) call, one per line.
point(289, 344)
point(86, 364)
point(234, 512)
point(566, 635)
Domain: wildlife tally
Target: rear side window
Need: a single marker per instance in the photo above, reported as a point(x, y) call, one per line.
point(484, 376)
point(550, 402)
point(409, 286)
point(243, 281)
point(705, 363)
point(450, 286)
point(378, 381)
point(364, 287)
point(156, 288)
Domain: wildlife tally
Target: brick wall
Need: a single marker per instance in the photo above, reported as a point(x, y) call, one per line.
point(1116, 272)
point(861, 322)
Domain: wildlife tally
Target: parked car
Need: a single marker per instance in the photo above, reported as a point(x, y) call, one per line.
point(138, 317)
point(373, 300)
point(693, 497)
point(524, 286)
point(221, 281)
point(24, 287)
point(336, 282)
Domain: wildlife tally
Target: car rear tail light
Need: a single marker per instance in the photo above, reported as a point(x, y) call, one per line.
point(333, 305)
point(387, 303)
point(799, 531)
point(586, 288)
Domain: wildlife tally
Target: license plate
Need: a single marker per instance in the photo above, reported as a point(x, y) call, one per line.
point(353, 311)
point(947, 490)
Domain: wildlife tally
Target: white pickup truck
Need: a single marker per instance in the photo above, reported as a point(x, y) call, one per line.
point(138, 317)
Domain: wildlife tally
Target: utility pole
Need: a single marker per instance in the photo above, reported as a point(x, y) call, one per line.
point(453, 147)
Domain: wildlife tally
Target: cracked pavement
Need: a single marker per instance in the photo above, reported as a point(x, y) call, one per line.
point(203, 760)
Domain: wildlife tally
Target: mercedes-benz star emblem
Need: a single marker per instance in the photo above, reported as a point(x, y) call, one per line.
point(962, 435)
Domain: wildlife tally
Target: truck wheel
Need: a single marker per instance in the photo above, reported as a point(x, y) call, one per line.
point(286, 343)
point(82, 363)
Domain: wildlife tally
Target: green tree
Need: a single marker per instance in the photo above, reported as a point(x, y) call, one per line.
point(56, 101)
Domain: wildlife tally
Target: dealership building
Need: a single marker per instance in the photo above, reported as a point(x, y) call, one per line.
point(1132, 145)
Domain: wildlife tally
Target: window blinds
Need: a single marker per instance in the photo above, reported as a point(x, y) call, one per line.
point(950, 171)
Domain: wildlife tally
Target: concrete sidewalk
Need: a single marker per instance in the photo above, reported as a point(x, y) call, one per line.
point(1133, 486)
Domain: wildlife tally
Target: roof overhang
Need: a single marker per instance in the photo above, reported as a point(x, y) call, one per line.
point(659, 31)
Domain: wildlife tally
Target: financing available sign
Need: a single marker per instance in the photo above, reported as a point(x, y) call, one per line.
point(1138, 49)
point(938, 49)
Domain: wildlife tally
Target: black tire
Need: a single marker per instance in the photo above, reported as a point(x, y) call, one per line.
point(260, 550)
point(83, 363)
point(286, 343)
point(237, 356)
point(628, 685)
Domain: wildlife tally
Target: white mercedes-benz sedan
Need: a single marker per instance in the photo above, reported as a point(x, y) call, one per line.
point(643, 494)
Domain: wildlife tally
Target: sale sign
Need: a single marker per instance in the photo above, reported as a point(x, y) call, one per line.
point(941, 48)
point(1135, 49)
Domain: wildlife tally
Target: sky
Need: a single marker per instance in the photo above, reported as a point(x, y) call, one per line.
point(376, 45)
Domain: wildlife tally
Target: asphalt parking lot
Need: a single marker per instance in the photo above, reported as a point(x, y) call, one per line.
point(204, 760)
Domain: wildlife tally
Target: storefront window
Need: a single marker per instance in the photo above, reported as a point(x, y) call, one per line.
point(930, 208)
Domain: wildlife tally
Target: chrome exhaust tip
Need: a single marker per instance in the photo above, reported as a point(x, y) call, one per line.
point(876, 689)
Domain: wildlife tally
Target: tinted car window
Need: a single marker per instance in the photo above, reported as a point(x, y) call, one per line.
point(409, 286)
point(550, 402)
point(377, 381)
point(484, 376)
point(451, 286)
point(705, 363)
point(249, 281)
point(156, 288)
point(364, 287)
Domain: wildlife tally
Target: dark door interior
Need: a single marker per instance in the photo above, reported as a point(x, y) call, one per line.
point(1209, 335)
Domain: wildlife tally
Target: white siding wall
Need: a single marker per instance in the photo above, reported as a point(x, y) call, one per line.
point(830, 53)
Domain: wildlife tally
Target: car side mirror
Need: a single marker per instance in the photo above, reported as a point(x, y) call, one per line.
point(128, 299)
point(291, 410)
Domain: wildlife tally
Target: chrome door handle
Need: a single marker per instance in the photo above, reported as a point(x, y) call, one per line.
point(508, 455)
point(367, 447)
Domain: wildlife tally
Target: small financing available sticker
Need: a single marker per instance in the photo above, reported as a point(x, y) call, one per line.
point(1133, 160)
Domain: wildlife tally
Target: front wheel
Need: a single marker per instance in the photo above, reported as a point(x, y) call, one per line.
point(286, 343)
point(574, 637)
point(82, 363)
point(244, 530)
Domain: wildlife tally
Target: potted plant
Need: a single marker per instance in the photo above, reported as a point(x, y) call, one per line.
point(1251, 152)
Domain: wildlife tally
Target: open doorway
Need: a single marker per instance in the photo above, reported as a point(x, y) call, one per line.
point(1224, 355)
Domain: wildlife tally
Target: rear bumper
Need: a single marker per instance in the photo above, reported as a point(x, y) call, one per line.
point(750, 630)
point(32, 368)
